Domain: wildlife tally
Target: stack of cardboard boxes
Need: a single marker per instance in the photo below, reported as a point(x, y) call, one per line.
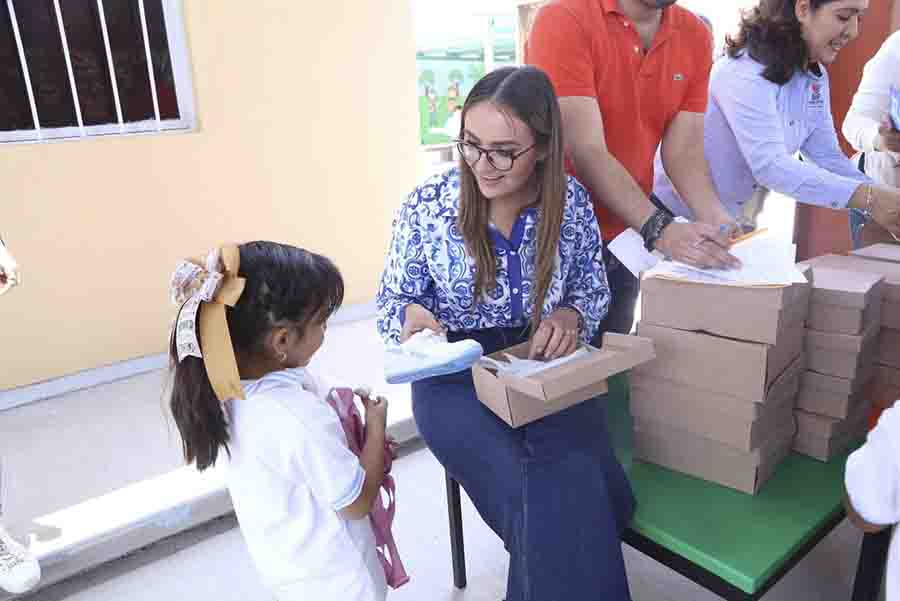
point(841, 346)
point(881, 260)
point(718, 401)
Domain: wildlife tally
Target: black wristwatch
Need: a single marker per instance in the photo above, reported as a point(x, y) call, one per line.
point(654, 226)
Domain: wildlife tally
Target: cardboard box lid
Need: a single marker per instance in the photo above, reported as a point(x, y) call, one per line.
point(811, 380)
point(740, 368)
point(811, 425)
point(880, 252)
point(776, 297)
point(696, 306)
point(887, 376)
point(890, 314)
point(619, 353)
point(782, 391)
point(890, 271)
point(816, 425)
point(889, 347)
point(823, 449)
point(845, 288)
point(708, 362)
point(714, 450)
point(847, 343)
point(843, 320)
point(708, 459)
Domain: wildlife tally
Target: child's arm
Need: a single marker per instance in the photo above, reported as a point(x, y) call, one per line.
point(872, 477)
point(371, 458)
point(857, 520)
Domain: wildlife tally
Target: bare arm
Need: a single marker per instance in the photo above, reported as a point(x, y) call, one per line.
point(371, 459)
point(603, 174)
point(857, 519)
point(685, 163)
point(610, 181)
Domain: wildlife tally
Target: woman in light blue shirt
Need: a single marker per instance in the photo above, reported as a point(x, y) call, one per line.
point(506, 249)
point(769, 100)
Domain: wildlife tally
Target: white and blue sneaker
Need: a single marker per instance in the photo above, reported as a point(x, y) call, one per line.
point(19, 570)
point(427, 354)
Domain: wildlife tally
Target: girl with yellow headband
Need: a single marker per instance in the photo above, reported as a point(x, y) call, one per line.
point(251, 319)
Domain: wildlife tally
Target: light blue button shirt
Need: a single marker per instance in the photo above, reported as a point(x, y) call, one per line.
point(753, 132)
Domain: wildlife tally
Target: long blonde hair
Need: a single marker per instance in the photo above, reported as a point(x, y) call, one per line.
point(527, 93)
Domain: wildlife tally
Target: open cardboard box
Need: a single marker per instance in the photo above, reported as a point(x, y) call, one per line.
point(717, 416)
point(765, 311)
point(713, 363)
point(700, 457)
point(522, 400)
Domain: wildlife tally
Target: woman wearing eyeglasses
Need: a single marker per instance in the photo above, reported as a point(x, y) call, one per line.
point(503, 249)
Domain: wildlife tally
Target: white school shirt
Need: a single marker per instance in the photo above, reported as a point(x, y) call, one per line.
point(872, 103)
point(289, 475)
point(873, 486)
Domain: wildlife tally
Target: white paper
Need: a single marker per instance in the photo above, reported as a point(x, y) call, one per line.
point(766, 261)
point(524, 368)
point(628, 247)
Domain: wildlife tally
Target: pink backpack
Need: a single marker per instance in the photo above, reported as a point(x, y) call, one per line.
point(381, 517)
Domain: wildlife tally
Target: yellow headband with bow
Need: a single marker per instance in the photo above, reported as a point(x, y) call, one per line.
point(213, 281)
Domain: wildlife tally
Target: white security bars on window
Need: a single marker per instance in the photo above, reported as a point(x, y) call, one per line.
point(171, 60)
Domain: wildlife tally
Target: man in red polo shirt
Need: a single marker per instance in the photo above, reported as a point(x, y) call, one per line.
point(631, 75)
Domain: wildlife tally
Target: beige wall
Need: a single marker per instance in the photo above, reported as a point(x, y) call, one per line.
point(308, 135)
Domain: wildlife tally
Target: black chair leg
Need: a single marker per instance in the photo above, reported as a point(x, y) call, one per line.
point(457, 547)
point(870, 570)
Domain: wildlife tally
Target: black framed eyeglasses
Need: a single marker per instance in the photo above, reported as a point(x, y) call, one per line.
point(501, 160)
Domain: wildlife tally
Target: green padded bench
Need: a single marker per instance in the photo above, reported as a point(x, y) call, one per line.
point(735, 545)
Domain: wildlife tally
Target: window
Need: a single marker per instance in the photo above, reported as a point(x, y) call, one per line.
point(77, 68)
point(456, 46)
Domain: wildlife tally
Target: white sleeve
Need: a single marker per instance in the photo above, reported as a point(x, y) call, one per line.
point(872, 100)
point(321, 456)
point(872, 476)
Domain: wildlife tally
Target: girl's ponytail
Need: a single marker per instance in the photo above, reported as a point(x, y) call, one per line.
point(198, 414)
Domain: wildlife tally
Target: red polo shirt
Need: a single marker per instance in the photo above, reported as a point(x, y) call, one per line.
point(590, 48)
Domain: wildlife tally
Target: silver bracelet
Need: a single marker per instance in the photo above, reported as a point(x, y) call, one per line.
point(867, 213)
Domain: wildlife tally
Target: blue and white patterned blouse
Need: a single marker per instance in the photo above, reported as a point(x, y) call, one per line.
point(428, 264)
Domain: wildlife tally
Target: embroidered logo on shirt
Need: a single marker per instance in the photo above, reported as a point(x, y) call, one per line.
point(816, 100)
point(679, 77)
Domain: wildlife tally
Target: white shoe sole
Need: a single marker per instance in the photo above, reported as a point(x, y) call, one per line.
point(466, 360)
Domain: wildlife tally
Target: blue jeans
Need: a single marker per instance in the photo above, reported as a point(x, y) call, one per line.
point(552, 490)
